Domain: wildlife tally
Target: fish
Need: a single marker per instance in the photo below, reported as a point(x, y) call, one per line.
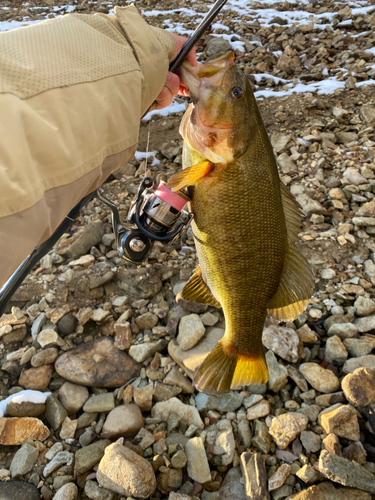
point(245, 225)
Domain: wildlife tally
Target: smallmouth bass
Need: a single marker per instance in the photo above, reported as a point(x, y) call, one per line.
point(245, 223)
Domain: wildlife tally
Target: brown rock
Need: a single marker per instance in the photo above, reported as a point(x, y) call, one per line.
point(15, 431)
point(36, 378)
point(123, 335)
point(285, 428)
point(326, 491)
point(332, 444)
point(143, 397)
point(25, 409)
point(255, 476)
point(44, 357)
point(359, 387)
point(123, 421)
point(124, 472)
point(342, 420)
point(78, 365)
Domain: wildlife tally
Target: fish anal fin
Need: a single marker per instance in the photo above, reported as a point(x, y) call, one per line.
point(189, 175)
point(196, 290)
point(296, 283)
point(224, 369)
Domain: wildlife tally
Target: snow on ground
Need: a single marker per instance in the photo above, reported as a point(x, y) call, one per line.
point(36, 397)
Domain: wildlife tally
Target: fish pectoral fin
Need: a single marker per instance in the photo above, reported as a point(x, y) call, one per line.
point(223, 369)
point(189, 175)
point(196, 290)
point(297, 282)
point(295, 288)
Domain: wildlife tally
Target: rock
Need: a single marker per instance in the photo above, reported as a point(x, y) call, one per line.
point(365, 324)
point(87, 457)
point(37, 325)
point(190, 331)
point(343, 330)
point(308, 474)
point(345, 138)
point(123, 335)
point(345, 472)
point(279, 477)
point(209, 319)
point(45, 357)
point(305, 334)
point(176, 378)
point(231, 488)
point(230, 401)
point(73, 397)
point(277, 373)
point(68, 428)
point(186, 414)
point(326, 491)
point(298, 378)
point(282, 341)
point(90, 236)
point(361, 362)
point(364, 306)
point(123, 421)
point(352, 174)
point(198, 467)
point(217, 46)
point(341, 420)
point(15, 431)
point(61, 458)
point(67, 492)
point(36, 378)
point(359, 387)
point(330, 399)
point(189, 305)
point(335, 350)
point(358, 347)
point(95, 492)
point(367, 113)
point(24, 460)
point(255, 476)
point(279, 141)
point(190, 360)
point(25, 409)
point(55, 448)
point(356, 451)
point(55, 413)
point(286, 163)
point(126, 473)
point(139, 283)
point(259, 410)
point(310, 441)
point(143, 397)
point(147, 321)
point(49, 338)
point(332, 444)
point(100, 402)
point(18, 490)
point(319, 378)
point(261, 439)
point(308, 205)
point(67, 324)
point(141, 352)
point(311, 412)
point(285, 428)
point(220, 444)
point(78, 365)
point(86, 419)
point(179, 460)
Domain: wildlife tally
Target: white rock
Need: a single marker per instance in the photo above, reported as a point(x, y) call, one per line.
point(190, 331)
point(198, 467)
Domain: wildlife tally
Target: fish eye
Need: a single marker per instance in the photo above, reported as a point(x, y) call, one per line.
point(237, 93)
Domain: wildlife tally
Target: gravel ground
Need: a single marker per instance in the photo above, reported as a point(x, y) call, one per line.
point(114, 414)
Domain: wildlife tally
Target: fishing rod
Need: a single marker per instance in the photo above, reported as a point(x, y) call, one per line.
point(155, 215)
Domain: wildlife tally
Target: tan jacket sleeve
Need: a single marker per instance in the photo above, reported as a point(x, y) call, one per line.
point(72, 93)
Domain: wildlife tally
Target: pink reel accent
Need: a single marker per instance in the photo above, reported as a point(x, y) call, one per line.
point(173, 199)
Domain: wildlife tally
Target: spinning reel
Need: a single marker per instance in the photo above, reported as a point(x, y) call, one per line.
point(154, 215)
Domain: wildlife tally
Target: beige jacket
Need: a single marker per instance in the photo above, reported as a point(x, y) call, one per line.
point(72, 93)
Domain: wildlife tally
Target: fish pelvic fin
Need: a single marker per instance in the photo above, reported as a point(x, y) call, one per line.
point(189, 175)
point(196, 290)
point(224, 369)
point(297, 282)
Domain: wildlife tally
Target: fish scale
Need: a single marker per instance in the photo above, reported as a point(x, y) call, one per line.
point(245, 223)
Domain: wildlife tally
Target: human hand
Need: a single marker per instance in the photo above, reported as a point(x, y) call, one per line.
point(173, 84)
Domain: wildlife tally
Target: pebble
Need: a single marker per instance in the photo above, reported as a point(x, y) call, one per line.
point(231, 488)
point(126, 473)
point(197, 464)
point(230, 401)
point(123, 421)
point(255, 476)
point(61, 458)
point(282, 341)
point(359, 387)
point(67, 324)
point(220, 444)
point(143, 397)
point(79, 367)
point(352, 364)
point(99, 403)
point(335, 350)
point(261, 409)
point(86, 458)
point(147, 321)
point(319, 378)
point(55, 413)
point(95, 492)
point(67, 492)
point(365, 324)
point(190, 331)
point(285, 428)
point(345, 472)
point(49, 338)
point(343, 330)
point(18, 490)
point(364, 306)
point(341, 420)
point(358, 347)
point(15, 431)
point(141, 352)
point(24, 460)
point(310, 441)
point(279, 477)
point(277, 373)
point(25, 409)
point(185, 413)
point(308, 474)
point(176, 378)
point(37, 379)
point(45, 357)
point(73, 397)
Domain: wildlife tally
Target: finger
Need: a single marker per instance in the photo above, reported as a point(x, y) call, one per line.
point(164, 99)
point(173, 83)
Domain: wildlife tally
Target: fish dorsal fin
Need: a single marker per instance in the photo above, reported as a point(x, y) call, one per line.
point(196, 290)
point(296, 283)
point(189, 175)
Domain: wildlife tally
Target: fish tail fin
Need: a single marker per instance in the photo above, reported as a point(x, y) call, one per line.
point(224, 368)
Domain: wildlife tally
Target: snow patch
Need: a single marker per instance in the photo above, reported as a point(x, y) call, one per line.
point(30, 396)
